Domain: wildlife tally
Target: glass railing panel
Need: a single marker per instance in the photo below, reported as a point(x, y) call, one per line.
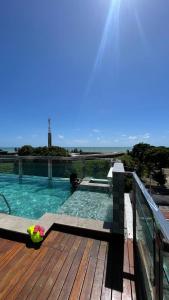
point(96, 168)
point(8, 166)
point(35, 167)
point(165, 276)
point(61, 168)
point(145, 239)
point(81, 167)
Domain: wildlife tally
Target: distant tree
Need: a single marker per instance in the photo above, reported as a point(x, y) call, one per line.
point(157, 157)
point(139, 150)
point(128, 161)
point(42, 151)
point(159, 177)
point(25, 150)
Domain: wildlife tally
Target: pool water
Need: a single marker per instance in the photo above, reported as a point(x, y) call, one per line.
point(89, 204)
point(34, 195)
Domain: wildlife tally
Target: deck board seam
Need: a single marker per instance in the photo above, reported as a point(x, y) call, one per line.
point(32, 254)
point(77, 252)
point(90, 259)
point(40, 272)
point(62, 252)
point(63, 267)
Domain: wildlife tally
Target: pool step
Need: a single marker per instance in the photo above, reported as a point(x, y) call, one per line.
point(2, 198)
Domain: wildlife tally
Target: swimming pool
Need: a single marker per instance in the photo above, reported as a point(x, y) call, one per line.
point(89, 204)
point(33, 196)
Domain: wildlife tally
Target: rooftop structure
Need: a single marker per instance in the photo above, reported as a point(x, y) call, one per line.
point(83, 258)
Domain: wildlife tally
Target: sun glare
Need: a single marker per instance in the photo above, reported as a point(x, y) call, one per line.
point(111, 32)
point(111, 28)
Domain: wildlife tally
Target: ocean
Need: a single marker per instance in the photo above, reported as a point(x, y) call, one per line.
point(84, 149)
point(101, 149)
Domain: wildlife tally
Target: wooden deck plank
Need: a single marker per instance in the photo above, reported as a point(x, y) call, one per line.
point(50, 238)
point(106, 291)
point(95, 249)
point(126, 295)
point(9, 254)
point(88, 282)
point(131, 265)
point(5, 245)
point(16, 273)
point(131, 257)
point(54, 239)
point(98, 279)
point(126, 267)
point(103, 249)
point(39, 285)
point(7, 274)
point(66, 266)
point(55, 271)
point(64, 272)
point(133, 290)
point(35, 275)
point(76, 290)
point(36, 259)
point(66, 290)
point(13, 256)
point(116, 295)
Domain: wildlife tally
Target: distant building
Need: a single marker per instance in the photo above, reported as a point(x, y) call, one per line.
point(49, 134)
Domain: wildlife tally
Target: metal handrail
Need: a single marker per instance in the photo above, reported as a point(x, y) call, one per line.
point(6, 202)
point(57, 158)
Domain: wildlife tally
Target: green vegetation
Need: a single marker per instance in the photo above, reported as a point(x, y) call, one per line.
point(83, 168)
point(75, 150)
point(147, 160)
point(7, 167)
point(42, 151)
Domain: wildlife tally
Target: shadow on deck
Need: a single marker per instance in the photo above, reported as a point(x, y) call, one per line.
point(68, 266)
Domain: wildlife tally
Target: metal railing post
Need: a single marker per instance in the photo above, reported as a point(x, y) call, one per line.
point(118, 198)
point(50, 169)
point(20, 168)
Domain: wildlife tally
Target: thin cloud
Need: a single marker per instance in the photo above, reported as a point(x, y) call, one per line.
point(34, 135)
point(80, 141)
point(146, 136)
point(60, 136)
point(19, 137)
point(132, 137)
point(96, 130)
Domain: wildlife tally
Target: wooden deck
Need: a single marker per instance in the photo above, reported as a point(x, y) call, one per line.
point(67, 266)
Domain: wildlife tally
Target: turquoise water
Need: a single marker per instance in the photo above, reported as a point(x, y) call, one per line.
point(33, 197)
point(89, 204)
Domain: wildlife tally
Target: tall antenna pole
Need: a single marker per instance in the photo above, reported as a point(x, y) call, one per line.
point(49, 129)
point(49, 133)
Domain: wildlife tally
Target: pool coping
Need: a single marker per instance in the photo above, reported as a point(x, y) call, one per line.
point(19, 225)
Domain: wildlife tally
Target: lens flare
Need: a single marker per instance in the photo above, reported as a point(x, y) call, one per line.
point(111, 28)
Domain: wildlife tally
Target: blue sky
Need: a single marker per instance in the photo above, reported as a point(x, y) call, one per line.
point(98, 68)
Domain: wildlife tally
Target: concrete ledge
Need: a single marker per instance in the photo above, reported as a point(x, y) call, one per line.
point(87, 185)
point(20, 225)
point(15, 224)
